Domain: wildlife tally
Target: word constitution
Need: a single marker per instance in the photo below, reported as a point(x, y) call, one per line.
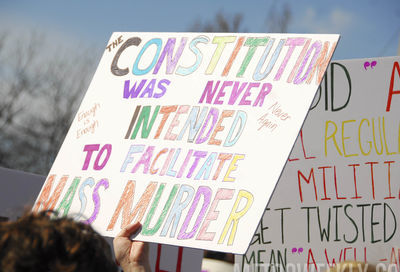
point(313, 57)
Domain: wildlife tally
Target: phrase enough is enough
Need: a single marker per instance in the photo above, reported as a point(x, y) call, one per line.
point(184, 208)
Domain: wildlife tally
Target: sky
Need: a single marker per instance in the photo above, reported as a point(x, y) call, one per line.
point(368, 28)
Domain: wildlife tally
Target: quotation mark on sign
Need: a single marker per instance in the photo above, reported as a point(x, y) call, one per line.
point(369, 64)
point(298, 250)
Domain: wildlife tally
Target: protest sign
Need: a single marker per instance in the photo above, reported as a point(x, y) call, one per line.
point(18, 192)
point(338, 198)
point(187, 133)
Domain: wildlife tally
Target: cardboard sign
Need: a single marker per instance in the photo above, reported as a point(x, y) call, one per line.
point(187, 133)
point(18, 192)
point(338, 198)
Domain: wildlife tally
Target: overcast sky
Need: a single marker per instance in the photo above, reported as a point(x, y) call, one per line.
point(368, 28)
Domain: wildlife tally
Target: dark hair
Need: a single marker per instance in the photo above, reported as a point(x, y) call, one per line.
point(38, 242)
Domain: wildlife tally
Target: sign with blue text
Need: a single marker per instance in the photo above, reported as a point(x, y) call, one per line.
point(187, 133)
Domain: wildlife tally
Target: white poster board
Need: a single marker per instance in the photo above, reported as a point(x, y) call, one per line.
point(187, 133)
point(338, 198)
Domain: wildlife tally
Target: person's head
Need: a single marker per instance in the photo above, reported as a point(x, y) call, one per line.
point(38, 242)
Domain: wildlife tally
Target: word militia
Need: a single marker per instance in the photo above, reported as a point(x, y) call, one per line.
point(311, 57)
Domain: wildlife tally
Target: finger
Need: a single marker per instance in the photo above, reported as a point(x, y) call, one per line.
point(140, 252)
point(129, 230)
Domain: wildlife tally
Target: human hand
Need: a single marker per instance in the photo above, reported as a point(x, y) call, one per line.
point(131, 255)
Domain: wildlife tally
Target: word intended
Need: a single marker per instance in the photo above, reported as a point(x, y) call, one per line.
point(201, 126)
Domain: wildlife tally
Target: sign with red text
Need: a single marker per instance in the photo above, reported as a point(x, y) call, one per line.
point(187, 133)
point(338, 198)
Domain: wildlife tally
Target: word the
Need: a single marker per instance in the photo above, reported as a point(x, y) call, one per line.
point(115, 43)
